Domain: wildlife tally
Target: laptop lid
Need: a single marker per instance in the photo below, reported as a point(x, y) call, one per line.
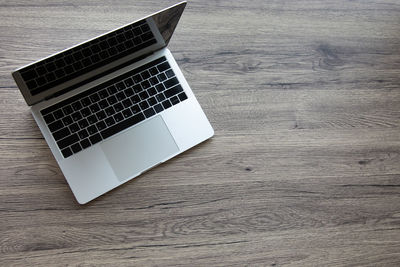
point(80, 64)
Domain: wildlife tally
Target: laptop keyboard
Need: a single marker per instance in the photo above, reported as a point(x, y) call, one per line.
point(74, 62)
point(102, 111)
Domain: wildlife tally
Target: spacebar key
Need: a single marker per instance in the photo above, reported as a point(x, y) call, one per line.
point(122, 125)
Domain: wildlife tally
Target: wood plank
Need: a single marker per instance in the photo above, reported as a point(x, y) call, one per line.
point(304, 167)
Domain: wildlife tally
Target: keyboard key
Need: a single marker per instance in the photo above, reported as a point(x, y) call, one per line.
point(120, 47)
point(95, 138)
point(86, 101)
point(104, 54)
point(69, 60)
point(120, 86)
point(95, 58)
point(152, 101)
point(95, 49)
point(68, 141)
point(50, 77)
point(143, 105)
point(40, 81)
point(144, 95)
point(161, 77)
point(118, 107)
point(135, 109)
point(153, 80)
point(137, 88)
point(103, 104)
point(101, 115)
point(29, 75)
point(92, 119)
point(128, 82)
point(127, 113)
point(145, 75)
point(85, 112)
point(158, 108)
point(171, 82)
point(152, 91)
point(76, 105)
point(149, 112)
point(160, 97)
point(137, 78)
point(59, 63)
point(58, 114)
point(66, 152)
point(135, 99)
point(50, 67)
point(112, 100)
point(163, 66)
point(87, 52)
point(41, 70)
point(128, 35)
point(101, 125)
point(120, 96)
point(56, 126)
point(83, 123)
point(85, 143)
point(112, 90)
point(153, 71)
point(76, 147)
point(31, 84)
point(86, 62)
point(160, 87)
point(166, 104)
point(49, 118)
point(76, 116)
point(118, 117)
point(129, 92)
point(94, 97)
point(145, 27)
point(137, 31)
point(74, 127)
point(94, 108)
point(174, 100)
point(77, 66)
point(182, 96)
point(103, 94)
point(109, 121)
point(137, 40)
point(112, 51)
point(67, 120)
point(60, 134)
point(67, 110)
point(83, 134)
point(170, 73)
point(92, 130)
point(145, 84)
point(122, 125)
point(109, 111)
point(173, 91)
point(127, 103)
point(69, 69)
point(77, 56)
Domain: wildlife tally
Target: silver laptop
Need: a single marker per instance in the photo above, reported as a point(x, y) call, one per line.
point(114, 106)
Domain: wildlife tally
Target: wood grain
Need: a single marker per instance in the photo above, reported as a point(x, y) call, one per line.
point(304, 168)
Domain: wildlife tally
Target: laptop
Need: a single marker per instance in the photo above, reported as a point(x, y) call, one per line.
point(114, 106)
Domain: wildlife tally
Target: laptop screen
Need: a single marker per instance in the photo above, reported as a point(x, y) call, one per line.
point(97, 56)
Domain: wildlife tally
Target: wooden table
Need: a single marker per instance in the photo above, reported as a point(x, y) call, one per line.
point(304, 167)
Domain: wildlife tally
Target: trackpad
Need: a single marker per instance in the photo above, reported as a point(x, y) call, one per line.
point(140, 148)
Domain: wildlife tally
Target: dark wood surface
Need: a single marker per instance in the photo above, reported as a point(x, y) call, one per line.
point(304, 167)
